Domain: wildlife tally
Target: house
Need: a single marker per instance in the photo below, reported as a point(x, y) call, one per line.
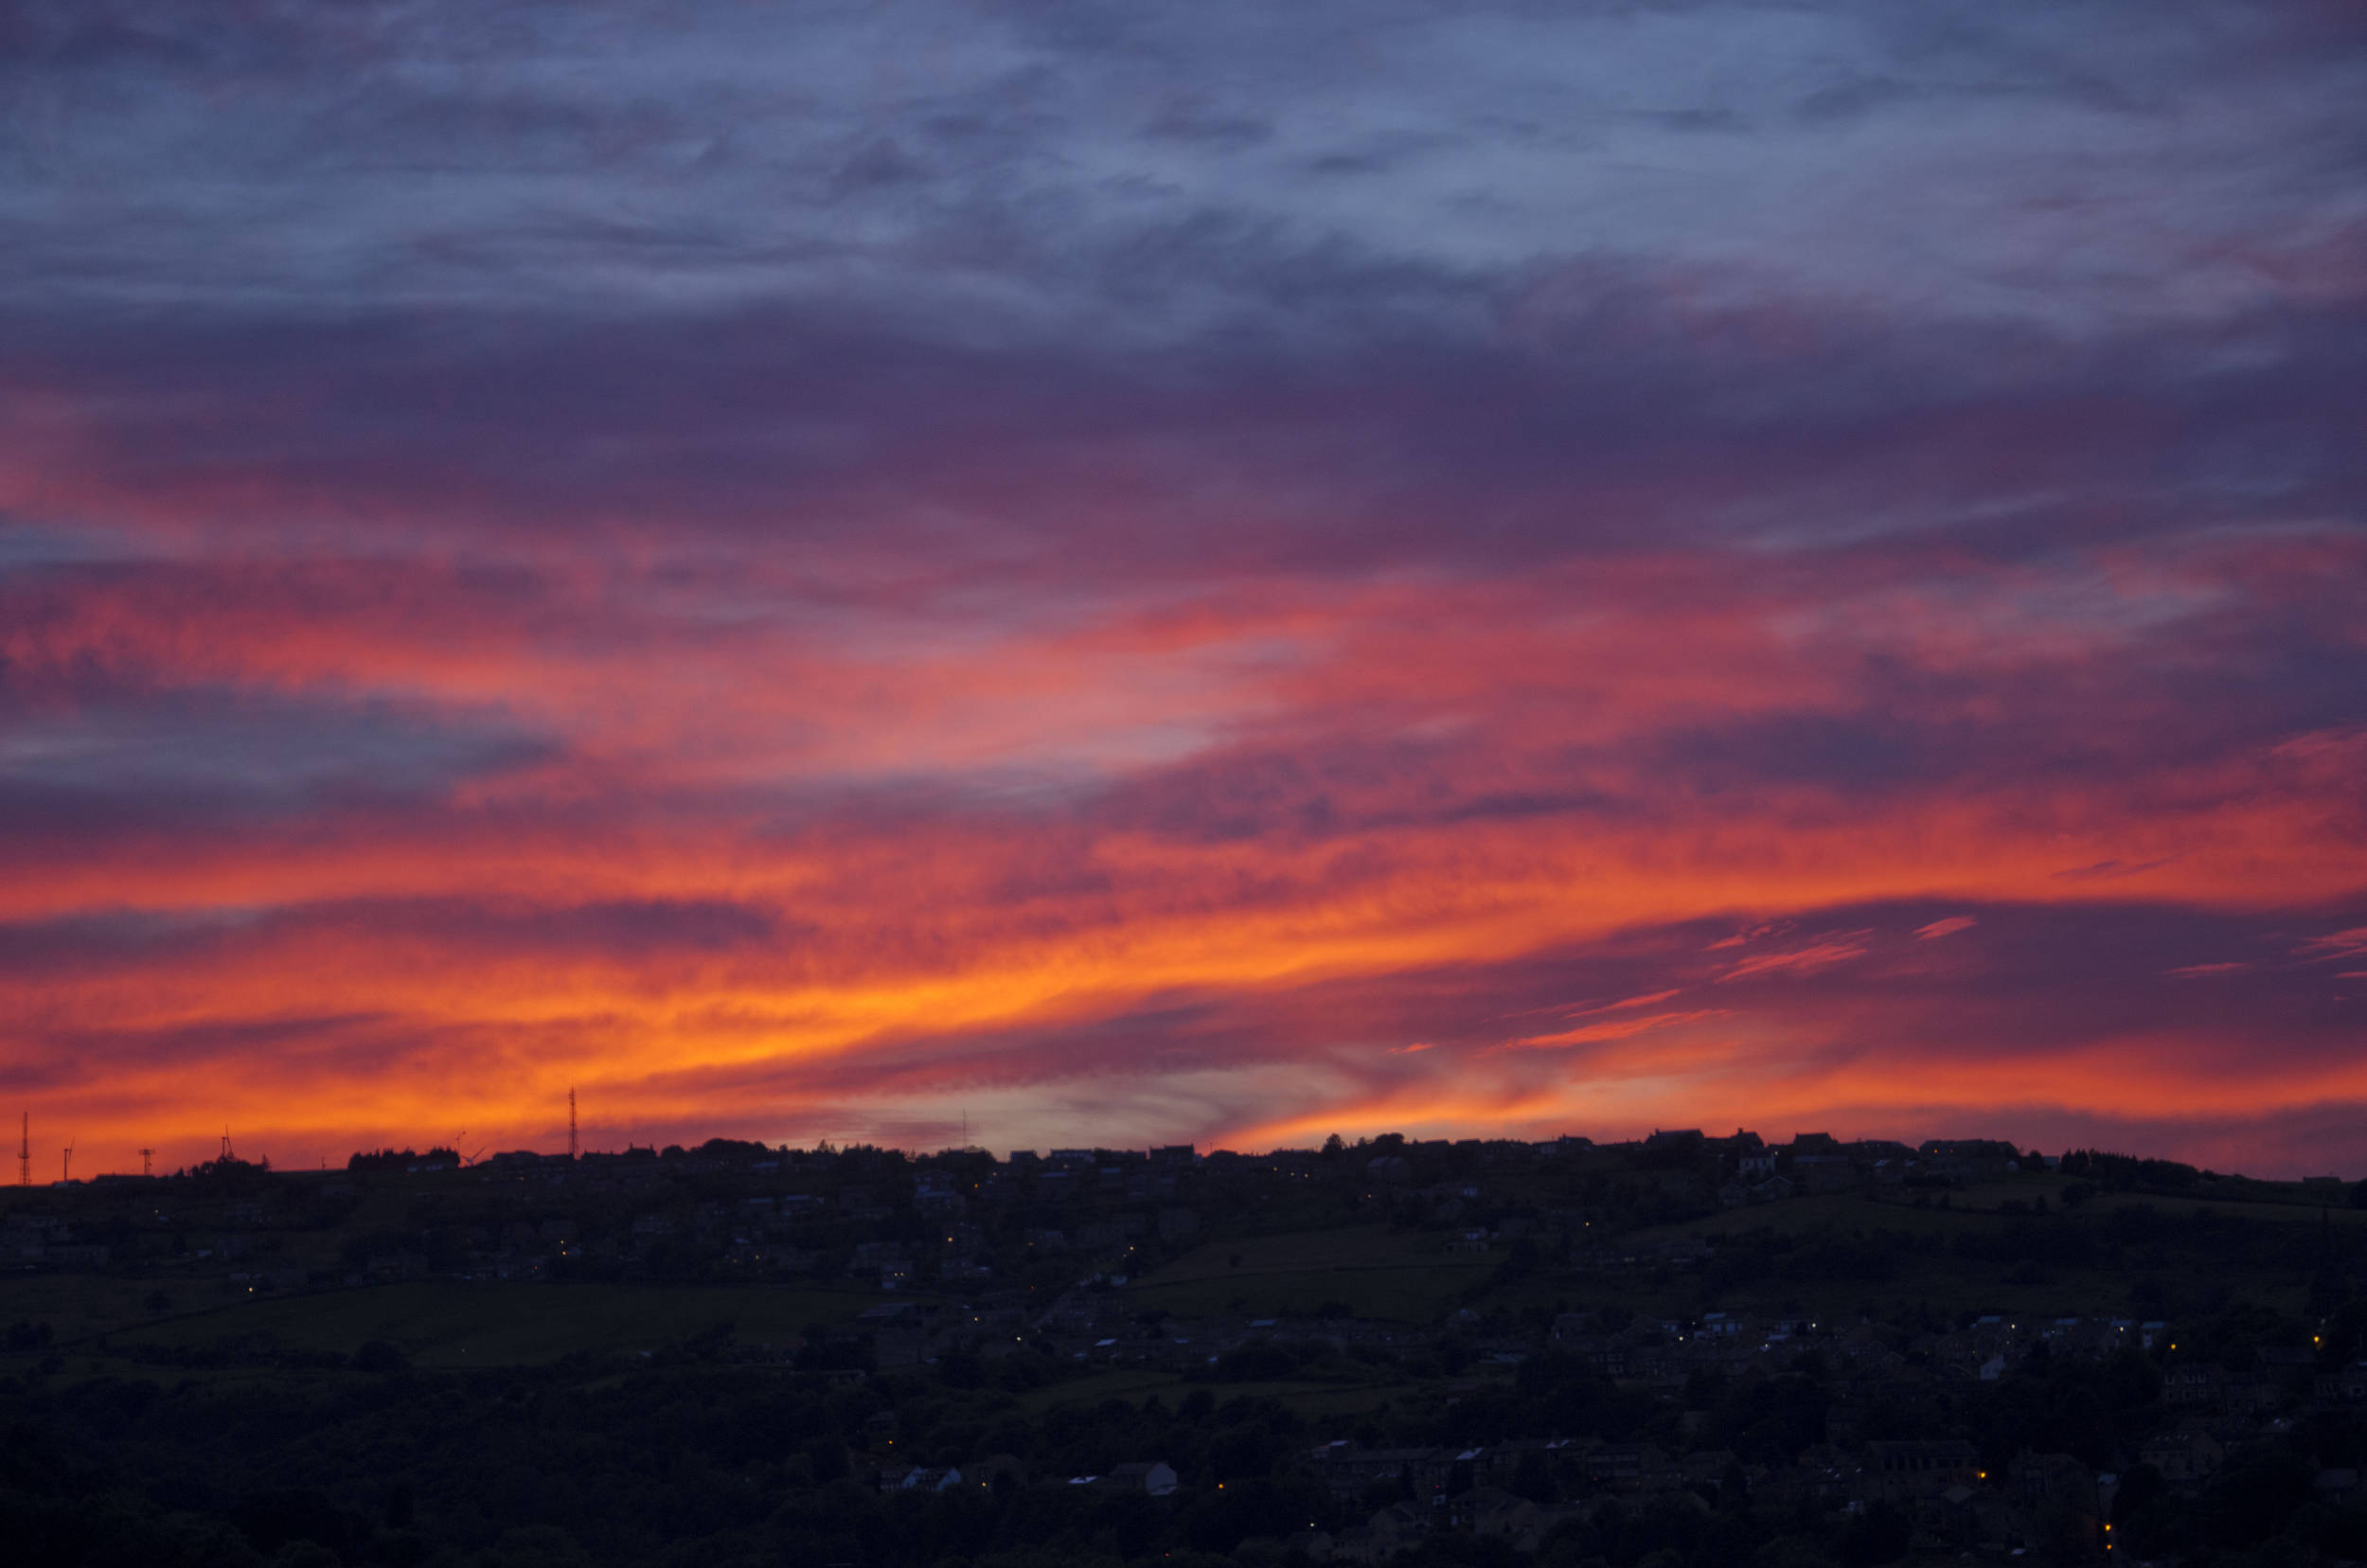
point(1156, 1477)
point(2194, 1384)
point(1391, 1530)
point(998, 1466)
point(1969, 1158)
point(1348, 1469)
point(1604, 1355)
point(2185, 1457)
point(2346, 1387)
point(919, 1479)
point(1497, 1514)
point(1900, 1471)
point(1633, 1468)
point(2291, 1367)
point(2245, 1393)
point(2041, 1481)
point(1708, 1466)
point(1823, 1172)
point(1971, 1515)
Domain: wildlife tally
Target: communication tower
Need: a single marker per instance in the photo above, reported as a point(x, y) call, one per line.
point(147, 1168)
point(571, 1124)
point(25, 1152)
point(65, 1163)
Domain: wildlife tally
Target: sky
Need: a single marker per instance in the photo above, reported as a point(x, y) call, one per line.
point(1099, 574)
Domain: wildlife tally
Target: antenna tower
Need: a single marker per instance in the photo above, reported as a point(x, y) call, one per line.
point(65, 1163)
point(25, 1152)
point(571, 1124)
point(147, 1168)
point(226, 1155)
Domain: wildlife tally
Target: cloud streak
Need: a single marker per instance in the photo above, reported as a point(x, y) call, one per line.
point(805, 583)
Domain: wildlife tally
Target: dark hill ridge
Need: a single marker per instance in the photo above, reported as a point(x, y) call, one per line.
point(1684, 1350)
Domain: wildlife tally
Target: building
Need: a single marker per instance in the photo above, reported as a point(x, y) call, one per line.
point(1902, 1471)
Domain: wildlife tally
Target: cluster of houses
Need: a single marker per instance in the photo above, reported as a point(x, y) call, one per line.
point(2212, 1412)
point(1814, 1163)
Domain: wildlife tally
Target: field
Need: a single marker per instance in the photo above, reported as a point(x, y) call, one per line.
point(447, 1324)
point(1314, 1401)
point(1948, 1285)
point(1402, 1277)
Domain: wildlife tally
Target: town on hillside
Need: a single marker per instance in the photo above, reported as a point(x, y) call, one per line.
point(1677, 1349)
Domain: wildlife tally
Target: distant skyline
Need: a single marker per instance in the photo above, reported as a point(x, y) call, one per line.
point(1216, 574)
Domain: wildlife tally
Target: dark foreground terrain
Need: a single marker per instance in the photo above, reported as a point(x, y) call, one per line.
point(1685, 1351)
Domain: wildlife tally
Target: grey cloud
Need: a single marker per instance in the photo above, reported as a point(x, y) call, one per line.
point(368, 138)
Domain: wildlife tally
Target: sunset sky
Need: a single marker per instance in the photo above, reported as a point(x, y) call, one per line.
point(1182, 572)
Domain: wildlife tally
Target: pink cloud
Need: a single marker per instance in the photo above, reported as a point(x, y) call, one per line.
point(1807, 961)
point(1647, 999)
point(1617, 1028)
point(1948, 927)
point(2336, 946)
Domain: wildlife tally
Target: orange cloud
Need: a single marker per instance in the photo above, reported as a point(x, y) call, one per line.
point(727, 829)
point(1621, 1028)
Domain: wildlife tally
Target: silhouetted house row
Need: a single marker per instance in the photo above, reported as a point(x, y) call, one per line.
point(1346, 1469)
point(1828, 1476)
point(2187, 1456)
point(1817, 1173)
point(2057, 1480)
point(1920, 1468)
point(1632, 1468)
point(1975, 1156)
point(1738, 1192)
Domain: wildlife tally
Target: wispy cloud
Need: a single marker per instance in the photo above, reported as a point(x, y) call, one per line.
point(1803, 960)
point(1621, 1028)
point(2336, 946)
point(647, 550)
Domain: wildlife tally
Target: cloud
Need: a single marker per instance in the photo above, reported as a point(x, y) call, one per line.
point(2107, 870)
point(1645, 999)
point(1806, 960)
point(1621, 1028)
point(2336, 946)
point(809, 582)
